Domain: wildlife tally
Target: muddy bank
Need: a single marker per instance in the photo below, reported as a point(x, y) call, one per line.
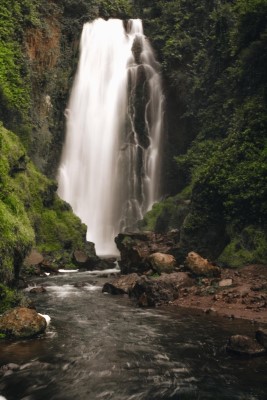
point(245, 297)
point(235, 294)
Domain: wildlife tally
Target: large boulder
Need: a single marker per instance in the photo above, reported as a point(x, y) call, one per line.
point(34, 258)
point(82, 259)
point(160, 262)
point(244, 345)
point(20, 323)
point(151, 292)
point(136, 247)
point(86, 258)
point(200, 266)
point(121, 285)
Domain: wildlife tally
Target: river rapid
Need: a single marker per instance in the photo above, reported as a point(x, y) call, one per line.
point(103, 347)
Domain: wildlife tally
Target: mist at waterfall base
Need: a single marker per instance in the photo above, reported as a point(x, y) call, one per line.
point(110, 167)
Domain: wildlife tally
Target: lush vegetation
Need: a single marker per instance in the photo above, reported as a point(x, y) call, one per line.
point(214, 63)
point(31, 214)
point(213, 57)
point(39, 44)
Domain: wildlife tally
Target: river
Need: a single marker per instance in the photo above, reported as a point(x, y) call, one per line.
point(103, 347)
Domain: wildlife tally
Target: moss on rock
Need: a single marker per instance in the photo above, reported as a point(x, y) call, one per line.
point(168, 214)
point(31, 213)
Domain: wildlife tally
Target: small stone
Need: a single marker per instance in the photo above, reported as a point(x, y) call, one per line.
point(211, 310)
point(225, 282)
point(244, 292)
point(257, 287)
point(10, 366)
point(79, 285)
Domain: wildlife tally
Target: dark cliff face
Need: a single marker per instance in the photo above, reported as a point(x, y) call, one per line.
point(38, 53)
point(38, 60)
point(52, 50)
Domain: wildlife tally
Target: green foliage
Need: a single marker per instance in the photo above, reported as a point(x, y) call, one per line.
point(247, 247)
point(168, 214)
point(59, 229)
point(214, 59)
point(30, 211)
point(8, 298)
point(115, 8)
point(17, 235)
point(15, 101)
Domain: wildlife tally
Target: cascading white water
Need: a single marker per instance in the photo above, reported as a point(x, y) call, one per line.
point(110, 167)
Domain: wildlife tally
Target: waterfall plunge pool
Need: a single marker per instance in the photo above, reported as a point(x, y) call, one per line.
point(103, 347)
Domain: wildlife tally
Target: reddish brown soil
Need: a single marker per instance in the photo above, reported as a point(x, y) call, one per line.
point(246, 298)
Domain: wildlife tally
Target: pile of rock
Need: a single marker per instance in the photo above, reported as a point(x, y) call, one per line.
point(150, 274)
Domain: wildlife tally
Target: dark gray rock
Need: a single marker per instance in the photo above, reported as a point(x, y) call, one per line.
point(244, 345)
point(121, 285)
point(261, 337)
point(151, 292)
point(135, 248)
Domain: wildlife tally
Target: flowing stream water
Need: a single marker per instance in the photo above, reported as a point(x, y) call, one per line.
point(100, 346)
point(110, 168)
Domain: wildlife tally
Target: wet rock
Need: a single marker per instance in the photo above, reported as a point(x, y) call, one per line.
point(21, 283)
point(244, 345)
point(83, 260)
point(164, 289)
point(22, 323)
point(136, 247)
point(261, 337)
point(39, 289)
point(200, 266)
point(211, 310)
point(9, 367)
point(137, 49)
point(48, 266)
point(80, 285)
point(121, 285)
point(225, 282)
point(80, 257)
point(88, 260)
point(160, 262)
point(34, 258)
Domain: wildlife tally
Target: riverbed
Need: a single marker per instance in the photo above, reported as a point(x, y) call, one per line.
point(103, 347)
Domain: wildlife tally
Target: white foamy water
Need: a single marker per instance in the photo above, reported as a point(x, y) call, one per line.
point(47, 318)
point(110, 167)
point(67, 271)
point(104, 272)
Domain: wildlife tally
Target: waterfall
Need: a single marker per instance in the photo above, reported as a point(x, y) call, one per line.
point(110, 166)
